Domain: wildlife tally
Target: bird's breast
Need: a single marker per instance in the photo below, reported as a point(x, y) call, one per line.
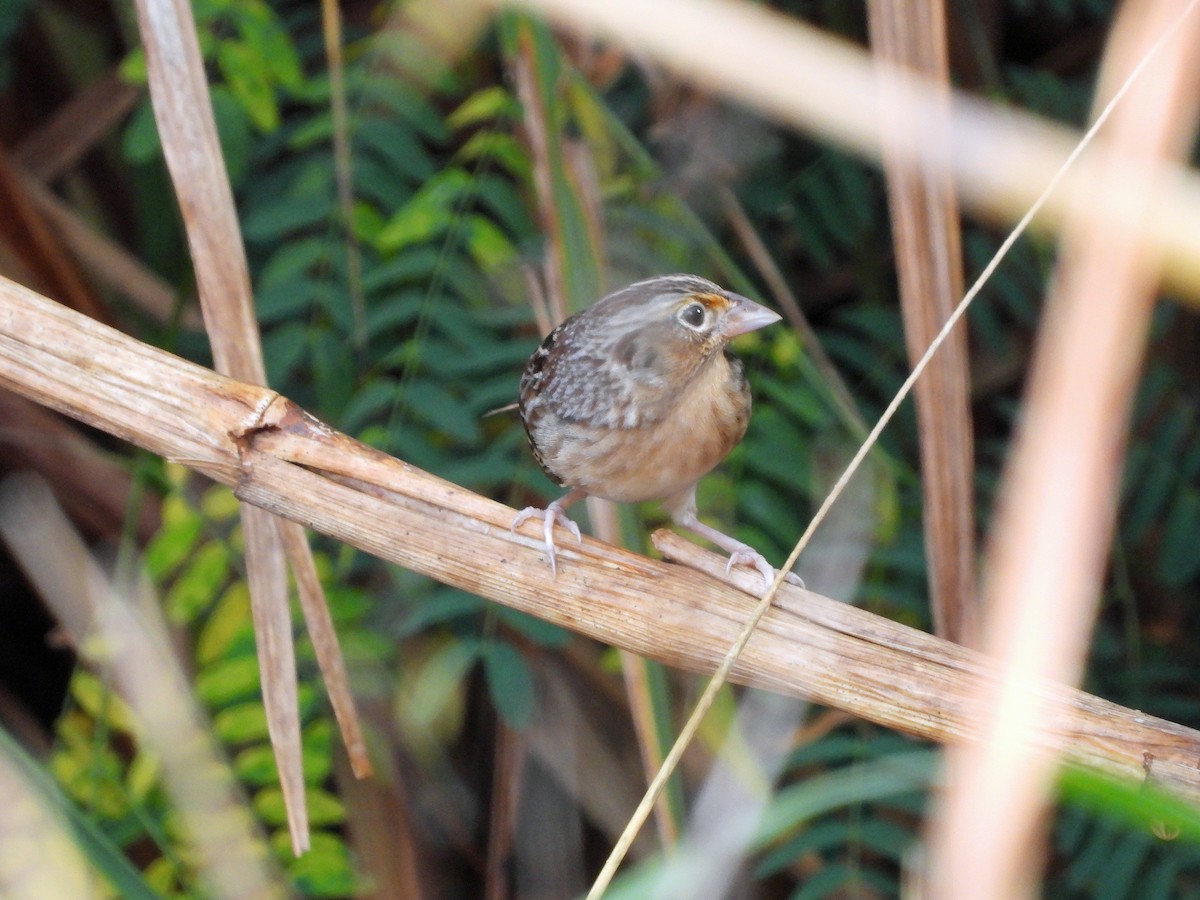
point(700, 424)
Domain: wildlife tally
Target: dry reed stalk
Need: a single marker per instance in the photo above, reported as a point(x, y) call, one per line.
point(278, 457)
point(187, 130)
point(911, 36)
point(1048, 552)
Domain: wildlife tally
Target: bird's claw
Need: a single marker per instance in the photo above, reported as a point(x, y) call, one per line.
point(549, 516)
point(754, 559)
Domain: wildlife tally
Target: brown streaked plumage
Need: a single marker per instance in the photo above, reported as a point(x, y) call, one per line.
point(636, 399)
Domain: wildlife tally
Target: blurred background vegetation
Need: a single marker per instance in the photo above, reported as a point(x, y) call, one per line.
point(393, 287)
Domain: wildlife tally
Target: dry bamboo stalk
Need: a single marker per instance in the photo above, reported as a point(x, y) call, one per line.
point(188, 132)
point(183, 112)
point(278, 457)
point(928, 243)
point(1057, 507)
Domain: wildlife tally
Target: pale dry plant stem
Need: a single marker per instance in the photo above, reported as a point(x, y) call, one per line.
point(735, 651)
point(1054, 521)
point(343, 164)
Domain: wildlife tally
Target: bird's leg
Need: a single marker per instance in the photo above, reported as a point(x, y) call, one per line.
point(556, 511)
point(682, 508)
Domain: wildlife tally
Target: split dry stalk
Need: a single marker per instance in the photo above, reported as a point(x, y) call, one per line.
point(278, 457)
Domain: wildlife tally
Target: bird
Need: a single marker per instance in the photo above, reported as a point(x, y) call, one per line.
point(636, 398)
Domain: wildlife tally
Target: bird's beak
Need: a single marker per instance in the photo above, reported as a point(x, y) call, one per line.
point(745, 316)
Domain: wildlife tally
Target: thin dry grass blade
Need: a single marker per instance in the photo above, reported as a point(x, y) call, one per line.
point(572, 216)
point(188, 133)
point(331, 30)
point(266, 576)
point(786, 300)
point(1047, 556)
point(325, 645)
point(639, 692)
point(911, 36)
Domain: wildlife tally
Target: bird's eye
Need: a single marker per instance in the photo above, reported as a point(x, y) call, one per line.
point(693, 315)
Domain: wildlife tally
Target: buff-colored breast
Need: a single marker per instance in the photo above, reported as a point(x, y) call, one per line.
point(706, 420)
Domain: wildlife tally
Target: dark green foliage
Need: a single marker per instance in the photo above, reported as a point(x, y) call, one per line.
point(12, 14)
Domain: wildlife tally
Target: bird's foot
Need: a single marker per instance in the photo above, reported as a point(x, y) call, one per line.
point(748, 556)
point(549, 516)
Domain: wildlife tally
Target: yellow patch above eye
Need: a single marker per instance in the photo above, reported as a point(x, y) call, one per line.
point(715, 302)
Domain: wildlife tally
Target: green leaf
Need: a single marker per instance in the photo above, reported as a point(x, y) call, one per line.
point(273, 221)
point(268, 41)
point(139, 142)
point(218, 504)
point(196, 588)
point(500, 148)
point(133, 67)
point(486, 105)
point(309, 256)
point(373, 403)
point(227, 681)
point(543, 633)
point(142, 776)
point(397, 148)
point(446, 605)
point(228, 628)
point(1179, 559)
point(233, 129)
point(879, 779)
point(435, 405)
point(436, 689)
point(509, 683)
point(171, 547)
point(501, 199)
point(244, 723)
point(285, 349)
point(347, 604)
point(843, 880)
point(255, 766)
point(244, 74)
point(323, 807)
point(333, 366)
point(326, 870)
point(367, 646)
point(489, 246)
point(429, 213)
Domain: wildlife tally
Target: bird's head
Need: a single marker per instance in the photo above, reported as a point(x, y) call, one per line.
point(676, 320)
